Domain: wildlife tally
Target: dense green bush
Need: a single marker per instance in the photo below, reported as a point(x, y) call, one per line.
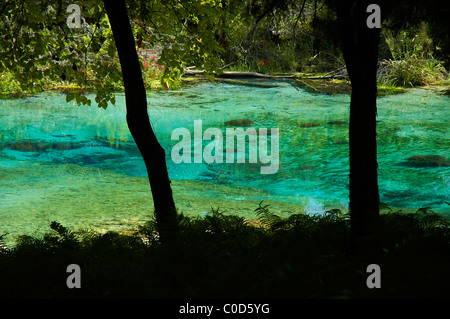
point(416, 71)
point(8, 84)
point(413, 62)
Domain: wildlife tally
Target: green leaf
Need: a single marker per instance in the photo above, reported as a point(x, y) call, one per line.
point(69, 97)
point(103, 104)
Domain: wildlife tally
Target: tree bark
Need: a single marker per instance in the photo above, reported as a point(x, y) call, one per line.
point(360, 49)
point(139, 123)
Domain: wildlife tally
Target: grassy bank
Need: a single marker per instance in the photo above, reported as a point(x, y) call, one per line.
point(223, 256)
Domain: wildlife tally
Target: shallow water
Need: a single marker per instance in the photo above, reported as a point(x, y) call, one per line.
point(80, 166)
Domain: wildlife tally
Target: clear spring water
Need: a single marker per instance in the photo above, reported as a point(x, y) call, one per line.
point(80, 166)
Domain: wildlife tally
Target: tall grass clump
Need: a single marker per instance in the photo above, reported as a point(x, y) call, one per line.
point(413, 60)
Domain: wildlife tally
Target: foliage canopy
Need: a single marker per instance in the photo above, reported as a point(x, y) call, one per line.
point(38, 48)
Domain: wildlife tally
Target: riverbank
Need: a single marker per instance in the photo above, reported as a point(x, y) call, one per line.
point(311, 82)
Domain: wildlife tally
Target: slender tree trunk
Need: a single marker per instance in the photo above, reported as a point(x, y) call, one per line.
point(360, 49)
point(139, 123)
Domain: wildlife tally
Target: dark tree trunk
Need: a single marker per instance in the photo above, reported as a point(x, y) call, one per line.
point(139, 123)
point(360, 49)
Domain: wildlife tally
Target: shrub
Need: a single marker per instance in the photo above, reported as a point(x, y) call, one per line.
point(8, 84)
point(413, 62)
point(416, 71)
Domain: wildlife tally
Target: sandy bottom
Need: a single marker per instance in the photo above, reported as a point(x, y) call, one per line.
point(33, 194)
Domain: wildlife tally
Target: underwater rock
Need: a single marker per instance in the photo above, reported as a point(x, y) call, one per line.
point(427, 161)
point(239, 122)
point(120, 144)
point(337, 122)
point(41, 146)
point(309, 125)
point(23, 146)
point(306, 167)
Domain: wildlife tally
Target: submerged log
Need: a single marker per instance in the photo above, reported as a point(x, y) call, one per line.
point(239, 122)
point(246, 83)
point(427, 161)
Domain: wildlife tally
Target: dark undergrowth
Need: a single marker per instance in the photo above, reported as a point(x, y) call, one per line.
point(223, 256)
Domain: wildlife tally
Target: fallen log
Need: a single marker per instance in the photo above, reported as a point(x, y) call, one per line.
point(236, 74)
point(326, 77)
point(341, 74)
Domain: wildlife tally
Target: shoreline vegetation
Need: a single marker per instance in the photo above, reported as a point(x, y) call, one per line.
point(319, 83)
point(224, 256)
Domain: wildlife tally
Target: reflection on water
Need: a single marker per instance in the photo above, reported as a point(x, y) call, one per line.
point(49, 135)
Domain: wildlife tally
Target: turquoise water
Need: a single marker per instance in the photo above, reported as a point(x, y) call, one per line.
point(46, 134)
